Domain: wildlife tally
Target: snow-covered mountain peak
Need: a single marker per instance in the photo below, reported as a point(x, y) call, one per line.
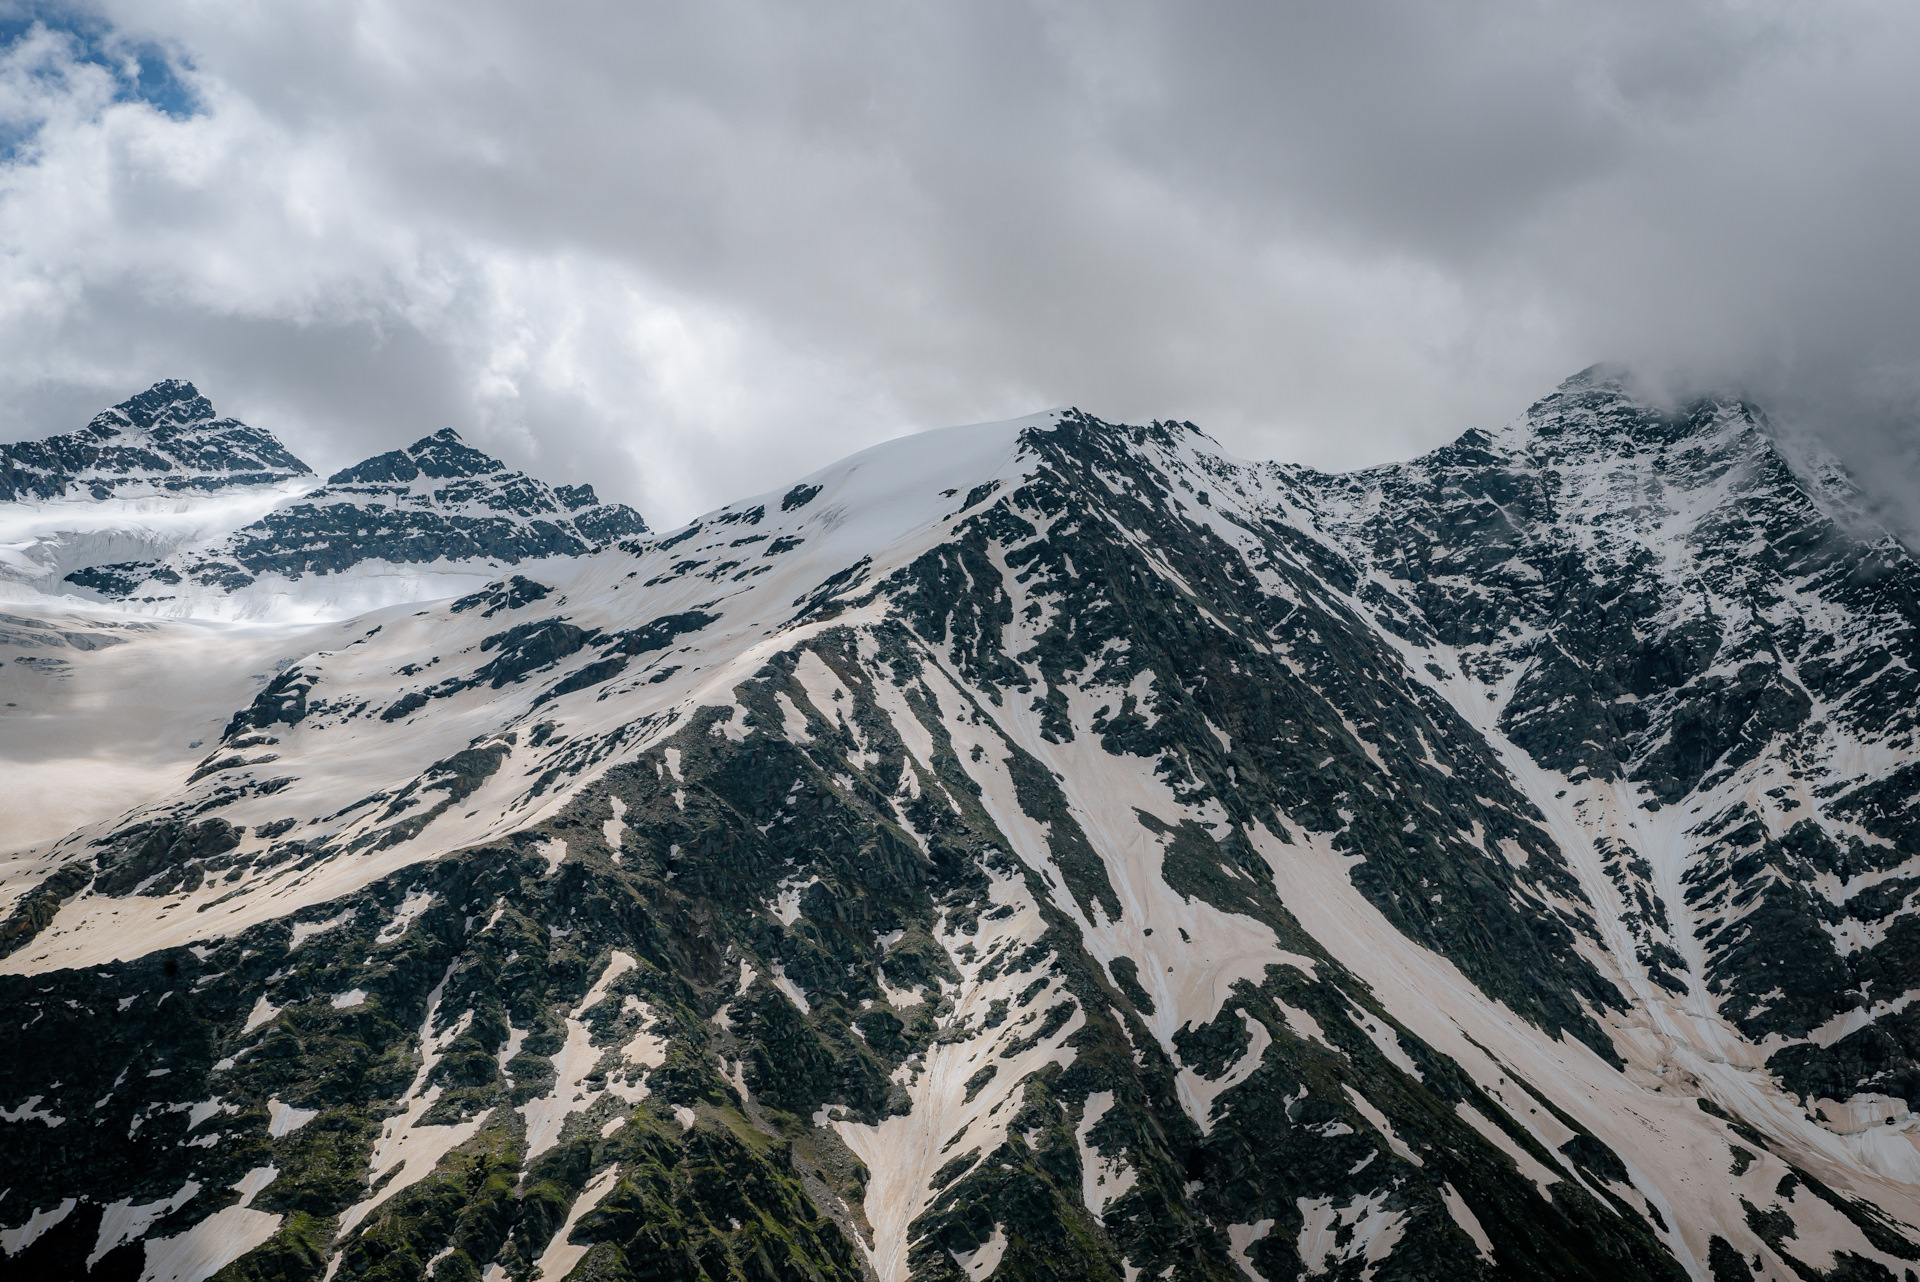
point(1604, 415)
point(170, 403)
point(1603, 441)
point(441, 456)
point(165, 441)
point(442, 473)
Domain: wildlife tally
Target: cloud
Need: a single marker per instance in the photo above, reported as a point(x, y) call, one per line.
point(688, 252)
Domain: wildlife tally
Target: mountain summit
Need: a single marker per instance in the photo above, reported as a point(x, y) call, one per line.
point(1051, 849)
point(166, 440)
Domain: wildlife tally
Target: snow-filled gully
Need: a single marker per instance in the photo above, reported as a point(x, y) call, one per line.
point(404, 1146)
point(902, 1152)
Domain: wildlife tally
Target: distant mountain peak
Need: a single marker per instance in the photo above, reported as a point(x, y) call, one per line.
point(170, 401)
point(165, 440)
point(448, 511)
point(1600, 374)
point(1605, 412)
point(442, 456)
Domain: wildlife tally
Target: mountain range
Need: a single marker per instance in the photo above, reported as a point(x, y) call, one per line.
point(159, 506)
point(1052, 849)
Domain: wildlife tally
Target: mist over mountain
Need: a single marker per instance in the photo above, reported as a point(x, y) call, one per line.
point(1045, 849)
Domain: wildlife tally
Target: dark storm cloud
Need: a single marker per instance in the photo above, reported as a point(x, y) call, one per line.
point(690, 251)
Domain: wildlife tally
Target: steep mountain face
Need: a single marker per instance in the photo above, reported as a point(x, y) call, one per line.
point(159, 507)
point(1664, 613)
point(1051, 850)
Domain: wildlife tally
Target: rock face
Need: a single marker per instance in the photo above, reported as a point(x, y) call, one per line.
point(1051, 850)
point(160, 507)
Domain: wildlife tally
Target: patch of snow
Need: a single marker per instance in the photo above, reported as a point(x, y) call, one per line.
point(1197, 1093)
point(1380, 1123)
point(901, 997)
point(255, 1182)
point(786, 903)
point(576, 1058)
point(123, 1221)
point(561, 1256)
point(1383, 1036)
point(285, 1119)
point(511, 1047)
point(305, 930)
point(1360, 1229)
point(263, 1011)
point(985, 1258)
point(791, 989)
point(1469, 1223)
point(416, 902)
point(615, 828)
point(13, 1241)
point(1240, 1240)
point(205, 1109)
point(903, 1151)
point(31, 1111)
point(1302, 1024)
point(208, 1246)
point(407, 1149)
point(792, 721)
point(1529, 1166)
point(1102, 1179)
point(646, 1050)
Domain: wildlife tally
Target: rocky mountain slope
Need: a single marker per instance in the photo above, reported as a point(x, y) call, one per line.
point(1046, 850)
point(162, 508)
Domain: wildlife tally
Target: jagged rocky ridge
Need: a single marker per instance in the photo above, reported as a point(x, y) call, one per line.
point(1054, 850)
point(135, 480)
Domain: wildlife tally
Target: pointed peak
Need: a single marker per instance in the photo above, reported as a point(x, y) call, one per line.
point(441, 456)
point(1667, 396)
point(166, 436)
point(1610, 411)
point(163, 394)
point(1602, 375)
point(171, 402)
point(445, 456)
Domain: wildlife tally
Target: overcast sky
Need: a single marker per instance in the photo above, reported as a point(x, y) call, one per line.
point(688, 252)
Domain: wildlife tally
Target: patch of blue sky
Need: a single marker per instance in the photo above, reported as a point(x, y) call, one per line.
point(141, 70)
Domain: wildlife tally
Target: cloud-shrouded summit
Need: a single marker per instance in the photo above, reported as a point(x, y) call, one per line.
point(690, 250)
